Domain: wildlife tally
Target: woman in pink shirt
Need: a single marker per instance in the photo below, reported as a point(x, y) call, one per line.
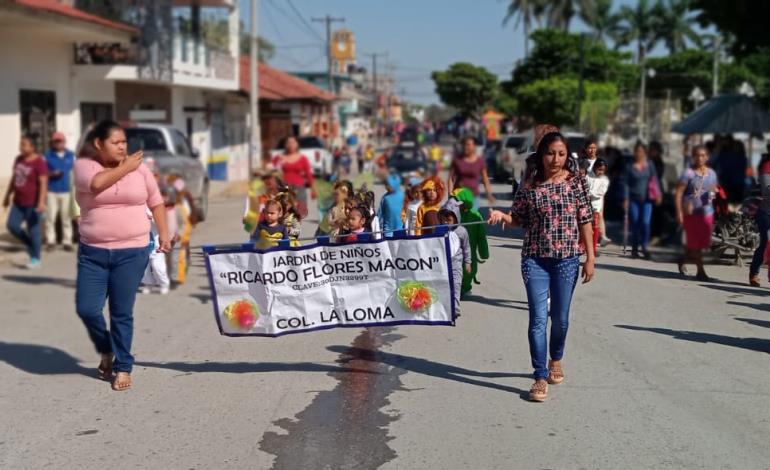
point(297, 173)
point(113, 190)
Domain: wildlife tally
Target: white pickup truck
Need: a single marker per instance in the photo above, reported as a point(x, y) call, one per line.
point(313, 148)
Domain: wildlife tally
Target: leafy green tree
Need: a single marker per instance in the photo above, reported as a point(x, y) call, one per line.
point(561, 12)
point(677, 24)
point(641, 24)
point(506, 103)
point(524, 12)
point(466, 87)
point(557, 53)
point(603, 20)
point(745, 19)
point(554, 101)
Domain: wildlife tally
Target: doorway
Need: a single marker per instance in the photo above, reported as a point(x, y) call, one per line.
point(38, 115)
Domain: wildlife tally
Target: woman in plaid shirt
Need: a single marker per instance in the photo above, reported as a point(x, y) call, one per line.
point(555, 211)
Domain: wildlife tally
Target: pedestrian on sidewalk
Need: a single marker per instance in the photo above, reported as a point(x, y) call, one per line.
point(555, 211)
point(60, 161)
point(641, 189)
point(28, 187)
point(598, 185)
point(762, 217)
point(113, 190)
point(694, 210)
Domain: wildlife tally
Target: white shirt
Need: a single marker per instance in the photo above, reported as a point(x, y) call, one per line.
point(597, 188)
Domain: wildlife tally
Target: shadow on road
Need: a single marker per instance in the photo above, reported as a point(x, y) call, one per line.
point(737, 289)
point(751, 321)
point(248, 367)
point(437, 369)
point(644, 272)
point(39, 280)
point(760, 307)
point(503, 303)
point(752, 344)
point(41, 360)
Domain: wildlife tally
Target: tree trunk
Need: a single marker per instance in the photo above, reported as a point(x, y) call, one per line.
point(526, 38)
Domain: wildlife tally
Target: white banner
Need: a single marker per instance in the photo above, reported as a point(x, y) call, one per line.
point(294, 290)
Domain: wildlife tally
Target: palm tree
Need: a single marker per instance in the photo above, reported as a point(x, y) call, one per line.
point(677, 25)
point(525, 11)
point(640, 24)
point(604, 22)
point(561, 12)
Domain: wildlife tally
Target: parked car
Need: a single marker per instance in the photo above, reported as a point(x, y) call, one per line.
point(511, 158)
point(407, 159)
point(314, 149)
point(173, 154)
point(575, 142)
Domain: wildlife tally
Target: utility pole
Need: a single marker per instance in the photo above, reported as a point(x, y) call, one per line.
point(374, 79)
point(255, 155)
point(642, 90)
point(715, 82)
point(328, 19)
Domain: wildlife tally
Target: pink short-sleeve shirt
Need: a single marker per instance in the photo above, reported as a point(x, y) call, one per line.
point(115, 218)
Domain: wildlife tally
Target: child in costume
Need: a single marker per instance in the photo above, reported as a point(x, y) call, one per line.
point(459, 246)
point(260, 191)
point(477, 233)
point(358, 219)
point(365, 198)
point(391, 206)
point(412, 204)
point(427, 214)
point(156, 272)
point(291, 217)
point(270, 230)
point(186, 219)
point(335, 219)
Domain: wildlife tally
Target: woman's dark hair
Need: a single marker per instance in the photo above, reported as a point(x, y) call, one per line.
point(641, 145)
point(466, 139)
point(542, 148)
point(590, 140)
point(103, 129)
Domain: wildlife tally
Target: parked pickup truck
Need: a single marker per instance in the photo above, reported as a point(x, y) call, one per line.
point(173, 154)
point(313, 148)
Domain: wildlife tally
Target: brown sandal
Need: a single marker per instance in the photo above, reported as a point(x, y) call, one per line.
point(104, 371)
point(121, 382)
point(539, 391)
point(754, 281)
point(555, 373)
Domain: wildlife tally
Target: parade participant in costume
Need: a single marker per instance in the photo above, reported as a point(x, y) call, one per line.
point(113, 190)
point(270, 231)
point(365, 198)
point(335, 219)
point(187, 218)
point(460, 247)
point(427, 214)
point(261, 190)
point(556, 213)
point(477, 233)
point(291, 218)
point(412, 204)
point(358, 220)
point(391, 206)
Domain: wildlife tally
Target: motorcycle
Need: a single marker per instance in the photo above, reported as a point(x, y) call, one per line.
point(735, 229)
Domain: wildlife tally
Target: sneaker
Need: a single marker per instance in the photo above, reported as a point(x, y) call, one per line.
point(144, 290)
point(34, 263)
point(164, 290)
point(604, 241)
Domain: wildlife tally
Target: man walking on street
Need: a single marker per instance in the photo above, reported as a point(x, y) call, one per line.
point(60, 161)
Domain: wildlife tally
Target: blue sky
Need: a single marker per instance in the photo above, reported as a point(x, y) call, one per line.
point(419, 35)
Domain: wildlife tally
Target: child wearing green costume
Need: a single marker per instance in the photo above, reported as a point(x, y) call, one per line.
point(477, 234)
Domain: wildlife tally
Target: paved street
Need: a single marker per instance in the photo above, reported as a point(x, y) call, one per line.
point(661, 373)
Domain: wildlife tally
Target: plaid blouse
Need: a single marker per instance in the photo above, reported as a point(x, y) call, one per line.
point(551, 214)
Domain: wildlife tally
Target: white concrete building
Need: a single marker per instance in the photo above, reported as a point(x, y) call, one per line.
point(65, 68)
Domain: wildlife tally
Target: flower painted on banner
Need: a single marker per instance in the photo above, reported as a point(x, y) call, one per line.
point(415, 296)
point(242, 314)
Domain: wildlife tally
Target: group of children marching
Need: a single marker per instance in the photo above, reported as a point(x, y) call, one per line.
point(163, 270)
point(418, 207)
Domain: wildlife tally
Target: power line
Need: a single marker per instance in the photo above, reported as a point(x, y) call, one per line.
point(297, 21)
point(304, 21)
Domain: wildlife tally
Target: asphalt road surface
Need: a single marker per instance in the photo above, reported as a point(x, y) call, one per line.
point(661, 372)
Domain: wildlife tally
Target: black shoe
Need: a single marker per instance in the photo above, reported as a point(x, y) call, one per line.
point(634, 254)
point(702, 277)
point(68, 248)
point(646, 255)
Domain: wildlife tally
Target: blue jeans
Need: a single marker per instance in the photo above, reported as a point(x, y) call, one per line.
point(763, 221)
point(112, 275)
point(31, 236)
point(544, 276)
point(639, 217)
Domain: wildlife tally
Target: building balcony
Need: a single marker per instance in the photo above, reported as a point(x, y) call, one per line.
point(195, 63)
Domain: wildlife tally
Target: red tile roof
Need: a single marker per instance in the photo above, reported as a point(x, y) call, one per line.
point(277, 85)
point(55, 7)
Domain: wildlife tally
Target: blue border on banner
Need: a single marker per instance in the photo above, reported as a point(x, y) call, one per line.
point(249, 248)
